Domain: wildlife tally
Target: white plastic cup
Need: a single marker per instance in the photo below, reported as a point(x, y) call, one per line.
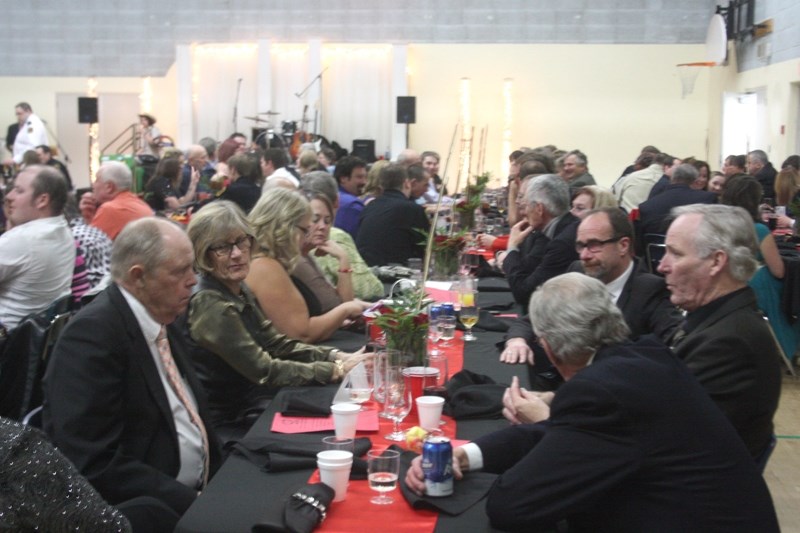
point(334, 471)
point(429, 410)
point(345, 418)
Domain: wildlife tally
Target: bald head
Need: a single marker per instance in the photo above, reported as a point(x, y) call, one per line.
point(197, 156)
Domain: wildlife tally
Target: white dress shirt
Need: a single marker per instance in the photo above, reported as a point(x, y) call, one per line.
point(31, 134)
point(189, 439)
point(37, 260)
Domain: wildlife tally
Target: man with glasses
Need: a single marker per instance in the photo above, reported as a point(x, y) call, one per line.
point(605, 244)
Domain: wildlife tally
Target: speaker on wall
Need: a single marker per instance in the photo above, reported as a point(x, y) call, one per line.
point(87, 110)
point(406, 109)
point(365, 149)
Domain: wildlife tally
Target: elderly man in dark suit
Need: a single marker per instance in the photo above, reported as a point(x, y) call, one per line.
point(121, 401)
point(605, 241)
point(632, 442)
point(724, 340)
point(654, 213)
point(543, 244)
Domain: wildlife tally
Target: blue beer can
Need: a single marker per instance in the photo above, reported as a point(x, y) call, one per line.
point(435, 312)
point(448, 309)
point(437, 466)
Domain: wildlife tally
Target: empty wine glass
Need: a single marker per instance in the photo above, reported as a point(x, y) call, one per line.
point(383, 469)
point(434, 334)
point(361, 382)
point(397, 402)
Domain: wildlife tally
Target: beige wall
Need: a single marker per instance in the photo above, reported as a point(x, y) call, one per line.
point(609, 101)
point(781, 85)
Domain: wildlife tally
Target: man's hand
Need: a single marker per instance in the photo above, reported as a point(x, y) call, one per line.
point(523, 407)
point(415, 478)
point(519, 231)
point(516, 351)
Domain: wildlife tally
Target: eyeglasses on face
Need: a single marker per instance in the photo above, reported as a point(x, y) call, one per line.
point(243, 243)
point(594, 245)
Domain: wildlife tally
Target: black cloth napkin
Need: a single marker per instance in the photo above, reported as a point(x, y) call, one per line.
point(474, 396)
point(466, 492)
point(307, 401)
point(279, 453)
point(300, 516)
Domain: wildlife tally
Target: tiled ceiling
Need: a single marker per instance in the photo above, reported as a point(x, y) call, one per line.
point(138, 38)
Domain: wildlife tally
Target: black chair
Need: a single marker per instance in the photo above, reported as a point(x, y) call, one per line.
point(654, 249)
point(24, 356)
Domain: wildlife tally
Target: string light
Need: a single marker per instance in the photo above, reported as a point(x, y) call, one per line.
point(94, 133)
point(465, 117)
point(508, 117)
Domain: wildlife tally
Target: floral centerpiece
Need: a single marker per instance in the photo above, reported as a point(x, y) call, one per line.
point(471, 200)
point(445, 251)
point(404, 320)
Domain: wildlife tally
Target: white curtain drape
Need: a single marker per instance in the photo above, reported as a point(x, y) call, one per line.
point(356, 94)
point(216, 71)
point(356, 101)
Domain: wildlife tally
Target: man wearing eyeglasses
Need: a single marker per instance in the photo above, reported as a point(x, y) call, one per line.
point(604, 243)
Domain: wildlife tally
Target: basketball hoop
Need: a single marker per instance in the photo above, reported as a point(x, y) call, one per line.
point(689, 72)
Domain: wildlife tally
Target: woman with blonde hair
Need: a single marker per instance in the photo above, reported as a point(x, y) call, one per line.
point(591, 197)
point(373, 189)
point(281, 221)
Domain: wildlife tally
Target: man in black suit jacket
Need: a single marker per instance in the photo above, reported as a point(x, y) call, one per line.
point(543, 244)
point(605, 241)
point(632, 442)
point(724, 340)
point(654, 212)
point(109, 406)
point(389, 231)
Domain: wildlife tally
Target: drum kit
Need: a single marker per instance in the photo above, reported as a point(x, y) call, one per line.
point(287, 138)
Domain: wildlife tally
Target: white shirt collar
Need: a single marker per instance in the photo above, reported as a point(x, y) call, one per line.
point(150, 326)
point(615, 287)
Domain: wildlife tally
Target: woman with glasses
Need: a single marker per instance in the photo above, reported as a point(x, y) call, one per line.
point(240, 357)
point(282, 221)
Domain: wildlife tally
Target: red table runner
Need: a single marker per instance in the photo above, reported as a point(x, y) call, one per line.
point(356, 513)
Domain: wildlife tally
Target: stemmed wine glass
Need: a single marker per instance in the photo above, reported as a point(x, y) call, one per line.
point(447, 328)
point(469, 264)
point(434, 334)
point(397, 402)
point(468, 314)
point(383, 470)
point(362, 383)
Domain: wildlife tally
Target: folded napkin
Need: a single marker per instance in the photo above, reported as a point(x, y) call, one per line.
point(474, 396)
point(306, 401)
point(305, 509)
point(466, 492)
point(279, 453)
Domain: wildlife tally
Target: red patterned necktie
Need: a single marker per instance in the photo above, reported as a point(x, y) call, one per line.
point(180, 391)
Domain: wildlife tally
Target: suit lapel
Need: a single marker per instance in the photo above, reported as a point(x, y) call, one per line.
point(142, 357)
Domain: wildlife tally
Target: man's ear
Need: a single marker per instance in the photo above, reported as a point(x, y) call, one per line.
point(136, 274)
point(719, 260)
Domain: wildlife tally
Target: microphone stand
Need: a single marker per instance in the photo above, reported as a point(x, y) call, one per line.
point(58, 143)
point(304, 91)
point(236, 105)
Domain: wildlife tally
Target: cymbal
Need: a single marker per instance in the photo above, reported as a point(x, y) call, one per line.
point(269, 113)
point(256, 119)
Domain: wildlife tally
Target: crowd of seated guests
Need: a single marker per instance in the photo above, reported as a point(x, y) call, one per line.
point(276, 277)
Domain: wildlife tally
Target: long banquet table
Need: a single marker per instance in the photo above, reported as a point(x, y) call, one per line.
point(241, 494)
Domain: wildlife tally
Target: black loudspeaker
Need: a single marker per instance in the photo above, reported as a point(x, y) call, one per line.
point(365, 149)
point(406, 109)
point(87, 110)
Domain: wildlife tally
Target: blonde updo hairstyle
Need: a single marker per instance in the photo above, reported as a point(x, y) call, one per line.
point(274, 220)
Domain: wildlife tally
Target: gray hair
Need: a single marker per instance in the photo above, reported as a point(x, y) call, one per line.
point(209, 144)
point(580, 157)
point(216, 222)
point(576, 316)
point(320, 182)
point(140, 242)
point(760, 156)
point(551, 191)
point(117, 173)
point(685, 173)
point(726, 228)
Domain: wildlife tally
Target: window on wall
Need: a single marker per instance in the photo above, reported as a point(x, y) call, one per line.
point(743, 123)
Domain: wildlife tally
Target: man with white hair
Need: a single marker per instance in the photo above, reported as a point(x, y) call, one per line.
point(725, 342)
point(632, 442)
point(760, 168)
point(543, 244)
point(117, 204)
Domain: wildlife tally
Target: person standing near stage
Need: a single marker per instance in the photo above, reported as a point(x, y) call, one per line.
point(31, 131)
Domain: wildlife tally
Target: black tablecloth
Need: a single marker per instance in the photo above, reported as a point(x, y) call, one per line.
point(240, 494)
